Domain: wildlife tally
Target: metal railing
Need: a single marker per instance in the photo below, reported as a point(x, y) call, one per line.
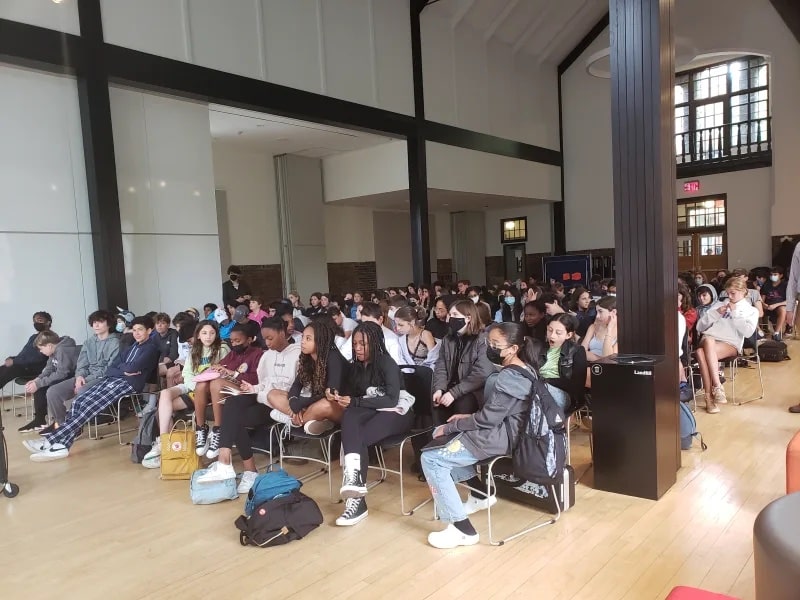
point(730, 142)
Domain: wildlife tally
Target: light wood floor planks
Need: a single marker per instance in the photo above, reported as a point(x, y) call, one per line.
point(97, 526)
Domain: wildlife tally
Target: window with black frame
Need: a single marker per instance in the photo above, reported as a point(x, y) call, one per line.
point(722, 112)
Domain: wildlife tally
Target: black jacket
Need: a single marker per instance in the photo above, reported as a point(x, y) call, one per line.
point(572, 365)
point(473, 367)
point(335, 378)
point(230, 293)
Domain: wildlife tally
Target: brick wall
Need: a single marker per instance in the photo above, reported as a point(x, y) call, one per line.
point(444, 270)
point(265, 280)
point(350, 276)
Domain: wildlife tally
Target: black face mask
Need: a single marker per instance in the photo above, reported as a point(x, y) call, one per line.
point(493, 354)
point(233, 277)
point(456, 324)
point(40, 327)
point(240, 349)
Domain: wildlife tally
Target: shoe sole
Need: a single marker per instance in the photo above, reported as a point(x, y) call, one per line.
point(212, 454)
point(49, 457)
point(351, 522)
point(318, 427)
point(201, 450)
point(468, 542)
point(351, 491)
point(30, 448)
point(151, 465)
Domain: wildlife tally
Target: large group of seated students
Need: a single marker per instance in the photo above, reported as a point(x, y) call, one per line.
point(337, 363)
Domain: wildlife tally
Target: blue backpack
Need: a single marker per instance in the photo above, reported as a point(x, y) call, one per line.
point(268, 486)
point(688, 428)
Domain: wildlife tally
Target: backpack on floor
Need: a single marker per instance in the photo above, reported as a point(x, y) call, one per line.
point(539, 496)
point(269, 486)
point(279, 521)
point(212, 492)
point(147, 433)
point(688, 427)
point(772, 351)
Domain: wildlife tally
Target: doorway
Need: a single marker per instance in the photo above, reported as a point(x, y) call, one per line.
point(514, 260)
point(703, 235)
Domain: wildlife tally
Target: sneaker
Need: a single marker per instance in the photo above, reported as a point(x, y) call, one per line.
point(217, 472)
point(777, 337)
point(473, 504)
point(201, 440)
point(352, 484)
point(719, 395)
point(49, 429)
point(686, 392)
point(314, 427)
point(280, 417)
point(213, 443)
point(154, 452)
point(54, 452)
point(37, 445)
point(247, 481)
point(35, 425)
point(154, 462)
point(711, 407)
point(451, 537)
point(355, 511)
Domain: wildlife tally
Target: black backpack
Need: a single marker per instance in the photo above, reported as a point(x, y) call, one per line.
point(279, 521)
point(772, 351)
point(540, 452)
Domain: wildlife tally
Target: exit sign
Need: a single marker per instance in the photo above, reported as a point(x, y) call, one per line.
point(691, 186)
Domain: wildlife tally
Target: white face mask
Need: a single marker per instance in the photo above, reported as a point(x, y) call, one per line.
point(774, 278)
point(475, 299)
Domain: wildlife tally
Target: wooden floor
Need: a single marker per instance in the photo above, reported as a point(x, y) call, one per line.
point(97, 526)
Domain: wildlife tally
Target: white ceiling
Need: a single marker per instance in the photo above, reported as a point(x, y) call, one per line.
point(278, 135)
point(545, 29)
point(439, 201)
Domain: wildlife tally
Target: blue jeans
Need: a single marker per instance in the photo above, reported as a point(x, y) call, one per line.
point(443, 468)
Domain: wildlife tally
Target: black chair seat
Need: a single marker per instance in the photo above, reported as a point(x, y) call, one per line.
point(24, 379)
point(300, 434)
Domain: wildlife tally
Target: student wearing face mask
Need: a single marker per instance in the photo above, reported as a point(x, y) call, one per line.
point(462, 368)
point(29, 362)
point(511, 308)
point(234, 290)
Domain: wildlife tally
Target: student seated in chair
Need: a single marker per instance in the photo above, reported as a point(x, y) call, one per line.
point(601, 337)
point(376, 314)
point(207, 349)
point(372, 412)
point(417, 345)
point(29, 362)
point(562, 362)
point(167, 340)
point(773, 295)
point(62, 356)
point(127, 375)
point(250, 409)
point(320, 366)
point(482, 435)
point(724, 327)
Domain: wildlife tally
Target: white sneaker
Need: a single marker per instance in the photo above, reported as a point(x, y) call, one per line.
point(473, 504)
point(37, 445)
point(248, 479)
point(451, 538)
point(54, 452)
point(152, 462)
point(217, 472)
point(280, 417)
point(154, 452)
point(719, 395)
point(315, 427)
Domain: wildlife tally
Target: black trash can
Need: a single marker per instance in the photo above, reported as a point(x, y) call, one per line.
point(635, 425)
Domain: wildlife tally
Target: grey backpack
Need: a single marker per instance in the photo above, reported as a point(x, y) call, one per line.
point(148, 431)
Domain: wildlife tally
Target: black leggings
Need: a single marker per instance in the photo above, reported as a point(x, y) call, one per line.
point(8, 374)
point(364, 427)
point(238, 414)
point(40, 403)
point(465, 405)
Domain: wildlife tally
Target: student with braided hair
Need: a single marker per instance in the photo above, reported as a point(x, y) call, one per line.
point(321, 367)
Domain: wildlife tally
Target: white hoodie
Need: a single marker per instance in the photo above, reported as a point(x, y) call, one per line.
point(277, 371)
point(732, 328)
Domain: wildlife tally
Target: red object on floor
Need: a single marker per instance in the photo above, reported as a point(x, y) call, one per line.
point(793, 465)
point(689, 593)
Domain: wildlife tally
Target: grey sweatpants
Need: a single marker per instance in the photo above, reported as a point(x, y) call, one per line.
point(60, 394)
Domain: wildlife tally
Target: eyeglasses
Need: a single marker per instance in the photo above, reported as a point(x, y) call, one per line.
point(493, 347)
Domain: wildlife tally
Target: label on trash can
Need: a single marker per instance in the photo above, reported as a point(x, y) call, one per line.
point(646, 372)
point(597, 369)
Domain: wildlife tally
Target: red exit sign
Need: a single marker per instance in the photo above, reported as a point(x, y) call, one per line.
point(691, 186)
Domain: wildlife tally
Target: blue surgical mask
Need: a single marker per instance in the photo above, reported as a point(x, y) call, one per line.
point(120, 327)
point(774, 278)
point(510, 300)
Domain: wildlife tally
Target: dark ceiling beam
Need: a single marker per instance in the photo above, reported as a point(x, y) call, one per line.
point(789, 10)
point(36, 47)
point(587, 40)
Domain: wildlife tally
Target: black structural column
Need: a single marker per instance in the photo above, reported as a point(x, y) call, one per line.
point(101, 169)
point(417, 160)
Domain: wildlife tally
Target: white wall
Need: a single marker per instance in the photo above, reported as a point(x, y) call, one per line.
point(248, 178)
point(46, 257)
point(392, 248)
point(486, 86)
point(349, 234)
point(443, 248)
point(167, 204)
point(357, 50)
point(375, 170)
point(540, 226)
point(749, 243)
point(42, 13)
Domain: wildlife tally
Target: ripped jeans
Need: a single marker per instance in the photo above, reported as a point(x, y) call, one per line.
point(443, 468)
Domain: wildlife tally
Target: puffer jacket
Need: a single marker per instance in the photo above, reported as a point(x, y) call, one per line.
point(473, 367)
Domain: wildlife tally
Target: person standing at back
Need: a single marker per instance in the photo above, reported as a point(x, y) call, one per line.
point(234, 290)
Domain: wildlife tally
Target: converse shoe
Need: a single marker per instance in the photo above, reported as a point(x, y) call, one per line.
point(217, 472)
point(37, 445)
point(451, 538)
point(213, 443)
point(53, 452)
point(280, 417)
point(35, 425)
point(247, 481)
point(314, 427)
point(352, 482)
point(719, 395)
point(473, 504)
point(355, 511)
point(201, 440)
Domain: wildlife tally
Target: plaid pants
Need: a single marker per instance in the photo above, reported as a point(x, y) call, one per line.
point(87, 406)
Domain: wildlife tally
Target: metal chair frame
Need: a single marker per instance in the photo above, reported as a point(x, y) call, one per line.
point(325, 442)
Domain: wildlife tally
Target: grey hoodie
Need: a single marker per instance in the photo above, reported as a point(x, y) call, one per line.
point(701, 310)
point(60, 365)
point(485, 433)
point(96, 355)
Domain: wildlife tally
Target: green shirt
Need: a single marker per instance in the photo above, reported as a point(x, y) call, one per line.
point(549, 369)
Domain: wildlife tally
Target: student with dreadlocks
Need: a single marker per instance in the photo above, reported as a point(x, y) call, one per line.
point(374, 411)
point(320, 367)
